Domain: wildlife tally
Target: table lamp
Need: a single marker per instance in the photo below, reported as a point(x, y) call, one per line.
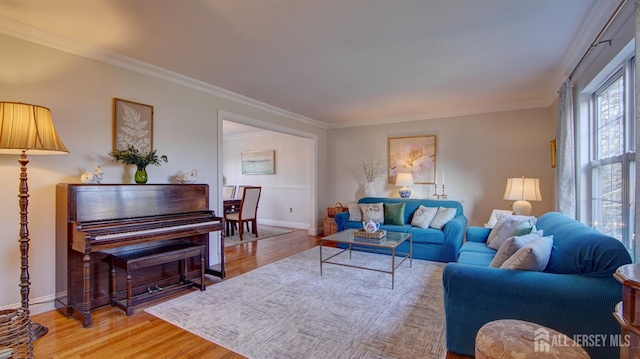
point(27, 128)
point(403, 180)
point(522, 190)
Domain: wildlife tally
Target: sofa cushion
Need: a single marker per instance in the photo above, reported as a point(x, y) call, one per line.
point(477, 247)
point(534, 256)
point(443, 216)
point(506, 225)
point(355, 213)
point(423, 216)
point(475, 258)
point(373, 212)
point(394, 213)
point(426, 235)
point(395, 228)
point(511, 246)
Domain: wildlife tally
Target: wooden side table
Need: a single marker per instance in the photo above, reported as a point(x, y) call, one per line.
point(510, 338)
point(627, 312)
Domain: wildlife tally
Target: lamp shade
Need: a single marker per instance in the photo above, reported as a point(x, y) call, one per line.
point(523, 189)
point(25, 127)
point(404, 179)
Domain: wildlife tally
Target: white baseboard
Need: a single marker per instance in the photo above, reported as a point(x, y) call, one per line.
point(296, 225)
point(37, 305)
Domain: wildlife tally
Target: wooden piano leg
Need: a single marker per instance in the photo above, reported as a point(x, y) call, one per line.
point(86, 283)
point(112, 284)
point(129, 298)
point(203, 286)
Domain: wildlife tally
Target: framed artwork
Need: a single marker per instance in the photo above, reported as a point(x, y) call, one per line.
point(258, 162)
point(553, 153)
point(132, 125)
point(414, 154)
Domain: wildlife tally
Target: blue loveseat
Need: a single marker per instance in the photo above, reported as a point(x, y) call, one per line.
point(576, 293)
point(428, 243)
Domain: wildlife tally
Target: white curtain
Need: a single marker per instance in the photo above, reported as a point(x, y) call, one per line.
point(565, 158)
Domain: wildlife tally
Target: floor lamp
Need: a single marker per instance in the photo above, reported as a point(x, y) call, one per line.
point(26, 129)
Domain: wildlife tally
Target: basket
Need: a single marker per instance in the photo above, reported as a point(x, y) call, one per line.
point(332, 211)
point(364, 234)
point(15, 333)
point(329, 226)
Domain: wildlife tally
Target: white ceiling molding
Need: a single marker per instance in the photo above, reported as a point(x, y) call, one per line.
point(45, 38)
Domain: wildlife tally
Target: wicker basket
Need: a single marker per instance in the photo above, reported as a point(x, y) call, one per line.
point(332, 211)
point(364, 234)
point(329, 226)
point(15, 333)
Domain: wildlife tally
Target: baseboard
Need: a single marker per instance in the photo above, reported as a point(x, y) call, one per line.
point(37, 305)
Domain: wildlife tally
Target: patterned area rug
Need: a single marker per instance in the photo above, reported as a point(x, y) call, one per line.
point(263, 232)
point(287, 310)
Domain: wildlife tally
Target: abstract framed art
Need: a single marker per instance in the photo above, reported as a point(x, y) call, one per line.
point(258, 162)
point(412, 154)
point(132, 125)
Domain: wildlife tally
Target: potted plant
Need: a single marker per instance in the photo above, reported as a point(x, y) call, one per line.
point(132, 156)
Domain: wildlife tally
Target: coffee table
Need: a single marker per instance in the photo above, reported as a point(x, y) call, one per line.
point(387, 243)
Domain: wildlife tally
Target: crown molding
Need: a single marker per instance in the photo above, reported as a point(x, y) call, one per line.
point(42, 37)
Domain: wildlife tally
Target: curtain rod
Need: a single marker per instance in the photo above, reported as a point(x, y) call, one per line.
point(597, 41)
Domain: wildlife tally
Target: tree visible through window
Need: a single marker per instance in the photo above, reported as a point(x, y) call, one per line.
point(613, 163)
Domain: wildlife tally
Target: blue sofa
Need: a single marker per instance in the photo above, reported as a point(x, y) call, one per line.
point(576, 293)
point(428, 243)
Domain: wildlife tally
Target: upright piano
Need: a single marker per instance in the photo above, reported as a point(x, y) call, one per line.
point(95, 220)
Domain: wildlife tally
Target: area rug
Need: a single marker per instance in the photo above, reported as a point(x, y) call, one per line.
point(287, 310)
point(263, 232)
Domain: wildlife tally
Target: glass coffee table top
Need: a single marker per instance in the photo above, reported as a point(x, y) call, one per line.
point(391, 240)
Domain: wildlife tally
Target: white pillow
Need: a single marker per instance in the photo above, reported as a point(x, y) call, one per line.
point(423, 216)
point(511, 246)
point(443, 216)
point(506, 225)
point(372, 211)
point(534, 256)
point(355, 213)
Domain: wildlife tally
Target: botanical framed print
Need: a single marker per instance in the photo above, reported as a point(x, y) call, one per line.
point(258, 162)
point(132, 125)
point(413, 154)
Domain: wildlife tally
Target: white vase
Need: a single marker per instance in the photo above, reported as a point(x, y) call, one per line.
point(369, 190)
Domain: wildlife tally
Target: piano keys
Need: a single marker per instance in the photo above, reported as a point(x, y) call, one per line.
point(93, 221)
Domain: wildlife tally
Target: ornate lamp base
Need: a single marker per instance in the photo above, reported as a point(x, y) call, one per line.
point(404, 192)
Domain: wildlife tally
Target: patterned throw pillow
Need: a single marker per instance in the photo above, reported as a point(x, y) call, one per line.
point(443, 216)
point(423, 216)
point(372, 211)
point(511, 246)
point(506, 225)
point(524, 228)
point(533, 257)
point(355, 213)
point(394, 213)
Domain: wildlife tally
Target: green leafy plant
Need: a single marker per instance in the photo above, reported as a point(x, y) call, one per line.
point(132, 156)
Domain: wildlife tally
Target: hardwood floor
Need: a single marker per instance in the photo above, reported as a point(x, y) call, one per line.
point(115, 335)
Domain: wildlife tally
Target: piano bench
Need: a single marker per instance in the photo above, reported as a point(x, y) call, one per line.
point(151, 256)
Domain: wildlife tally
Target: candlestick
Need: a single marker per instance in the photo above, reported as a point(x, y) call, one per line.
point(443, 178)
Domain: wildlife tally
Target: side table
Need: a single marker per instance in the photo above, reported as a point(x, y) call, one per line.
point(627, 312)
point(510, 338)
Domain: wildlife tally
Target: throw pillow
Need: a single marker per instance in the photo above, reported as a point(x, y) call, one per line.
point(372, 211)
point(524, 228)
point(533, 257)
point(394, 213)
point(423, 216)
point(506, 225)
point(511, 246)
point(355, 213)
point(443, 216)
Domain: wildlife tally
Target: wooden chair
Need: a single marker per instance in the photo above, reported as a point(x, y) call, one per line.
point(248, 212)
point(240, 191)
point(228, 192)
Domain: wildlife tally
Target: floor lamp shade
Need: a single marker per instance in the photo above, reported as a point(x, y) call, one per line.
point(26, 128)
point(522, 190)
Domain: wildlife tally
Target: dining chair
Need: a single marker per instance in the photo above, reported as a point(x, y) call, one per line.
point(240, 191)
point(248, 212)
point(228, 192)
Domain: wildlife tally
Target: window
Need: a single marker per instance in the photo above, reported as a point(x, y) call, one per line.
point(612, 162)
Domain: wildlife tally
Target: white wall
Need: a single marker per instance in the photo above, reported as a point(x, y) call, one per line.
point(288, 188)
point(478, 154)
point(79, 92)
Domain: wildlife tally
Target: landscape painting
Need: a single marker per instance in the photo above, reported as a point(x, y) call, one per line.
point(258, 162)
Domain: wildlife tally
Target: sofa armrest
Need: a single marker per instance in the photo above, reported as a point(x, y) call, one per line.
point(571, 304)
point(453, 237)
point(477, 234)
point(341, 218)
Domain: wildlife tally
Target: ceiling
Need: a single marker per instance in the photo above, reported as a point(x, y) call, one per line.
point(345, 62)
